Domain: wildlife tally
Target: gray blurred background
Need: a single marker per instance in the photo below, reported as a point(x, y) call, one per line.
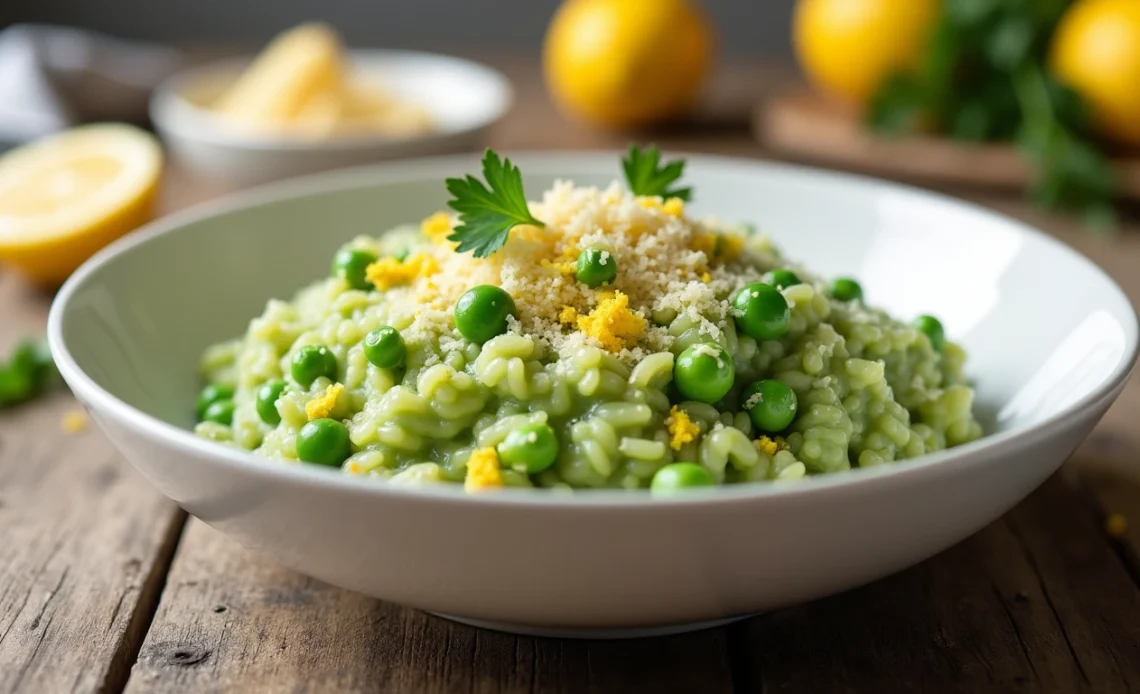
point(747, 28)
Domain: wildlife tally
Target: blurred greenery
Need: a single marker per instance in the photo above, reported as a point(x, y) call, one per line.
point(28, 372)
point(983, 78)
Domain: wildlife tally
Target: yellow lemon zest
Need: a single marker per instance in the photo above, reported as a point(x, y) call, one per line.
point(681, 428)
point(570, 254)
point(650, 202)
point(389, 272)
point(612, 323)
point(74, 421)
point(704, 242)
point(320, 406)
point(1116, 525)
point(483, 470)
point(729, 246)
point(437, 227)
point(706, 277)
point(767, 446)
point(674, 207)
point(637, 229)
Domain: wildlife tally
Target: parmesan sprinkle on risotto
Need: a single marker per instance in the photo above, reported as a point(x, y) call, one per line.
point(593, 337)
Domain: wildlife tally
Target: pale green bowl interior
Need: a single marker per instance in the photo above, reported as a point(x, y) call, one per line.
point(141, 321)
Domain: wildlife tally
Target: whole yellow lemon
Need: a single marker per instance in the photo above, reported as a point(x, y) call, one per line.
point(627, 63)
point(1096, 51)
point(848, 48)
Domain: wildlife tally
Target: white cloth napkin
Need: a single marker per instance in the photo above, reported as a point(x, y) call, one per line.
point(54, 77)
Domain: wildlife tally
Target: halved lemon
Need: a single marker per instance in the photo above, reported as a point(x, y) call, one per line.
point(64, 197)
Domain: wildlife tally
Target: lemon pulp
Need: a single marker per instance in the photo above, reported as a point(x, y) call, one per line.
point(64, 197)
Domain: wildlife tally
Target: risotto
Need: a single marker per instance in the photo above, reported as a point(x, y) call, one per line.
point(597, 337)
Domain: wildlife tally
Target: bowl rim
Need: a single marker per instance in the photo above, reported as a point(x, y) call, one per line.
point(851, 481)
point(169, 110)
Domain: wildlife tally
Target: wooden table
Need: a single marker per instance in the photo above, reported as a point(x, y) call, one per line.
point(106, 586)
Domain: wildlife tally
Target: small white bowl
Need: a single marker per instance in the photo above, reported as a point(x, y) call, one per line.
point(464, 98)
point(1051, 338)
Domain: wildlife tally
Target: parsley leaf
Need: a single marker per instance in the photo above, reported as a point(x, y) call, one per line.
point(487, 216)
point(29, 371)
point(646, 176)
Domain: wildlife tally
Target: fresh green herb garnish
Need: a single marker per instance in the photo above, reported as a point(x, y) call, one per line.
point(646, 176)
point(486, 216)
point(27, 373)
point(983, 78)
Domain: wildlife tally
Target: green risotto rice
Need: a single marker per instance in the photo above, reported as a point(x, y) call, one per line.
point(604, 339)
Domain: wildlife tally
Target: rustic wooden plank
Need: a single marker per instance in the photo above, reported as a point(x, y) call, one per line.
point(1113, 492)
point(801, 123)
point(231, 621)
point(84, 541)
point(1038, 601)
point(280, 630)
point(980, 617)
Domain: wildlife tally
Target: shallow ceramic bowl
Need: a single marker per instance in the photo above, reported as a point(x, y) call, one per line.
point(464, 99)
point(1052, 341)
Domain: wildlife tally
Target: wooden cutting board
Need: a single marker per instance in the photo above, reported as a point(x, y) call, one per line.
point(803, 125)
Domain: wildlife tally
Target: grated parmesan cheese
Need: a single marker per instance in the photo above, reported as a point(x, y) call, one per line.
point(668, 264)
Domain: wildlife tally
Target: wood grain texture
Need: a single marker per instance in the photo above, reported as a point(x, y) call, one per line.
point(981, 617)
point(84, 541)
point(231, 621)
point(802, 124)
point(1038, 601)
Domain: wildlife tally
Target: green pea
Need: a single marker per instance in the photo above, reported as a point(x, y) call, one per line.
point(324, 442)
point(846, 289)
point(932, 328)
point(220, 412)
point(311, 362)
point(782, 279)
point(764, 312)
point(771, 405)
point(350, 264)
point(531, 448)
point(267, 396)
point(211, 394)
point(481, 313)
point(678, 476)
point(596, 267)
point(384, 347)
point(704, 372)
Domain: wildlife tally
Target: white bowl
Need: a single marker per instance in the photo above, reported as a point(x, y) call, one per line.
point(1052, 341)
point(464, 99)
